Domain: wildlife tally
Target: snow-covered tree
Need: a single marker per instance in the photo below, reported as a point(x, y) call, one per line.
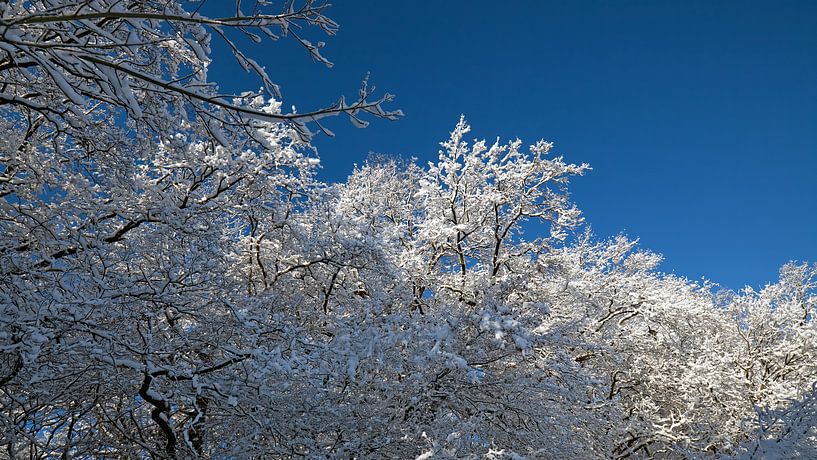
point(72, 68)
point(175, 283)
point(128, 183)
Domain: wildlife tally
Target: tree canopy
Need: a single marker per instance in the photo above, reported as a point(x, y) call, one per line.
point(176, 283)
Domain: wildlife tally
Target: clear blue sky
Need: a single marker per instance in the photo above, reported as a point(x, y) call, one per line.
point(699, 118)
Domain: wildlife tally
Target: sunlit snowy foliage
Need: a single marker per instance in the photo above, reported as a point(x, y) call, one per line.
point(175, 283)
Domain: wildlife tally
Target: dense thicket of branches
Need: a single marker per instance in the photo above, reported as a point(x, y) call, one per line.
point(174, 283)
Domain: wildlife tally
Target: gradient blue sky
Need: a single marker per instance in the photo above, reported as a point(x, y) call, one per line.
point(698, 118)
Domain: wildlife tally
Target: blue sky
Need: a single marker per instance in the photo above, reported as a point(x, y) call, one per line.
point(699, 118)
